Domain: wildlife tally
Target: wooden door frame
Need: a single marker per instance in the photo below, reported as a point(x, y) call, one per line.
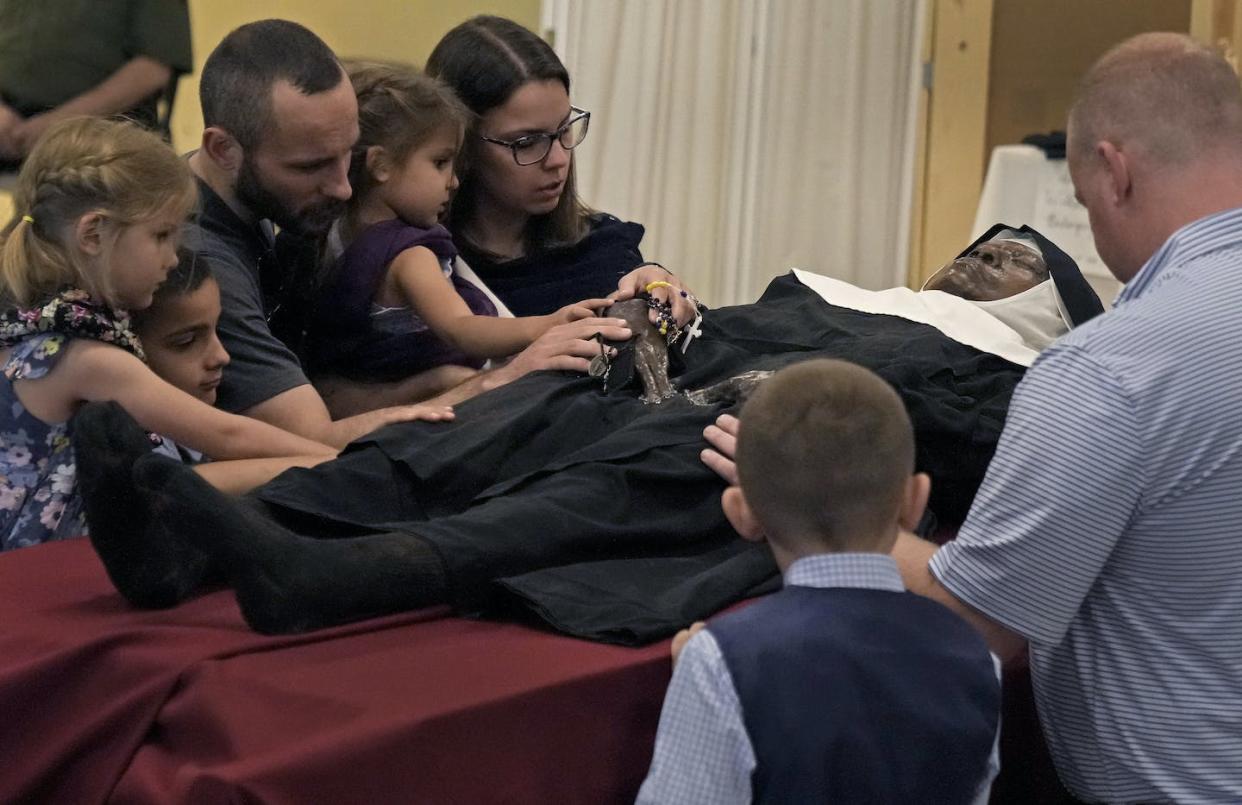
point(951, 147)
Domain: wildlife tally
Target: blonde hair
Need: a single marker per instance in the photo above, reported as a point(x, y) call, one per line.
point(85, 165)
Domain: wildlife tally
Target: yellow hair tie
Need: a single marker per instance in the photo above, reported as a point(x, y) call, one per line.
point(28, 219)
point(657, 284)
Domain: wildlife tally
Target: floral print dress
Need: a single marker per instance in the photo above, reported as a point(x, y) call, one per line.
point(37, 491)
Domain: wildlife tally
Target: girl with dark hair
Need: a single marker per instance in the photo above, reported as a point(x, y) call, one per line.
point(516, 218)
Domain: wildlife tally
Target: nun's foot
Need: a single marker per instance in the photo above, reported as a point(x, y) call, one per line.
point(150, 570)
point(287, 583)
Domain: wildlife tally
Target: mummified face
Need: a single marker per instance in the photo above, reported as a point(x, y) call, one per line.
point(993, 270)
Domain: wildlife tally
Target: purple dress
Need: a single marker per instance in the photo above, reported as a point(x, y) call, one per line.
point(352, 337)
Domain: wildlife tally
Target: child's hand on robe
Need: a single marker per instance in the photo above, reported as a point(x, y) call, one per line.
point(410, 413)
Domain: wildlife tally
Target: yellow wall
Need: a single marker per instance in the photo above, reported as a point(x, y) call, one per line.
point(406, 30)
point(1218, 22)
point(1030, 93)
point(6, 202)
point(951, 171)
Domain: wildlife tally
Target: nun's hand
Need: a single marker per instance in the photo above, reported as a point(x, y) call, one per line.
point(659, 284)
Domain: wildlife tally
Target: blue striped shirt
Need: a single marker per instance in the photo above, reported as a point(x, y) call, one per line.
point(702, 751)
point(1107, 531)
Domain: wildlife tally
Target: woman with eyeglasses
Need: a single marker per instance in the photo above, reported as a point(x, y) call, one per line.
point(516, 218)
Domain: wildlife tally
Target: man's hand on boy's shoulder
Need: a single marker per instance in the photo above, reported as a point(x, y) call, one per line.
point(681, 638)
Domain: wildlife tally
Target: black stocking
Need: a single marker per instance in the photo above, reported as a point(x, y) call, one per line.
point(285, 582)
point(152, 571)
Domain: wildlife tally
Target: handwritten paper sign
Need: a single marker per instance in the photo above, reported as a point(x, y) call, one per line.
point(1063, 220)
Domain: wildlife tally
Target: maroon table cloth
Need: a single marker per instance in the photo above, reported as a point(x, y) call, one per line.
point(100, 702)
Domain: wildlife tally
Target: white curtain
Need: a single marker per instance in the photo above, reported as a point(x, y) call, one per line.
point(749, 136)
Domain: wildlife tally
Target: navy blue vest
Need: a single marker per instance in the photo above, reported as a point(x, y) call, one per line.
point(861, 696)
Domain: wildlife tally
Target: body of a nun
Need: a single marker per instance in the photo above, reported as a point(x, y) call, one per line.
point(558, 499)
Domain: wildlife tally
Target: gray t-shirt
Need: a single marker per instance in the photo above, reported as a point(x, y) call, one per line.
point(261, 366)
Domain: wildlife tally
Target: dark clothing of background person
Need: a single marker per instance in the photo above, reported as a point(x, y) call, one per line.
point(51, 52)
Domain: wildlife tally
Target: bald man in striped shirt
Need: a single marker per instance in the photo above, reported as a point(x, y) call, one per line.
point(1107, 535)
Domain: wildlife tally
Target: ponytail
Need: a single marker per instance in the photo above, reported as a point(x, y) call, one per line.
point(28, 262)
point(80, 166)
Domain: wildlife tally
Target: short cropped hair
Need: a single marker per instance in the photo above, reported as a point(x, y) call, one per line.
point(1166, 91)
point(236, 84)
point(824, 454)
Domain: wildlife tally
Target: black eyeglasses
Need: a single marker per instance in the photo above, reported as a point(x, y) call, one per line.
point(530, 149)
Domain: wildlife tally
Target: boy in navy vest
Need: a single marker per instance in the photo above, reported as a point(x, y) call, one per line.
point(843, 687)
